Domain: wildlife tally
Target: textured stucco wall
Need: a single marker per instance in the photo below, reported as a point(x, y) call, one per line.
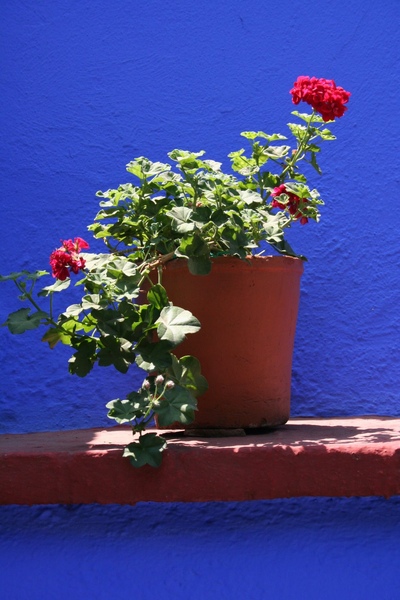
point(87, 86)
point(309, 549)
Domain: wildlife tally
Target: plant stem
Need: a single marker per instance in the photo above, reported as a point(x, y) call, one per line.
point(300, 151)
point(28, 296)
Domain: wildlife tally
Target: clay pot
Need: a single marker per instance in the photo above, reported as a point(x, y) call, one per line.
point(248, 312)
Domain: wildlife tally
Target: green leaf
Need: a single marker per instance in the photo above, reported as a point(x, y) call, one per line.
point(314, 163)
point(122, 266)
point(213, 165)
point(297, 130)
point(199, 265)
point(177, 405)
point(252, 135)
point(117, 352)
point(285, 248)
point(21, 321)
point(23, 275)
point(95, 262)
point(111, 322)
point(156, 168)
point(193, 246)
point(122, 411)
point(308, 118)
point(91, 301)
point(201, 215)
point(157, 296)
point(81, 363)
point(146, 451)
point(242, 164)
point(143, 167)
point(273, 229)
point(53, 336)
point(58, 286)
point(269, 180)
point(325, 134)
point(276, 152)
point(181, 219)
point(190, 376)
point(179, 155)
point(236, 241)
point(154, 355)
point(300, 178)
point(187, 160)
point(219, 217)
point(73, 311)
point(313, 148)
point(174, 323)
point(250, 197)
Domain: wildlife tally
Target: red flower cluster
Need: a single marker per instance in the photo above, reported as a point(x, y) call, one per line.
point(292, 204)
point(323, 95)
point(66, 258)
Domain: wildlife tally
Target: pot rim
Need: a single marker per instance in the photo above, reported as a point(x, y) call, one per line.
point(270, 262)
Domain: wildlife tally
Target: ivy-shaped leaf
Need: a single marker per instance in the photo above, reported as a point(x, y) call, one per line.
point(53, 336)
point(146, 451)
point(243, 165)
point(81, 363)
point(177, 405)
point(276, 152)
point(174, 323)
point(21, 320)
point(199, 265)
point(58, 286)
point(157, 296)
point(197, 251)
point(143, 167)
point(122, 411)
point(250, 197)
point(154, 355)
point(23, 275)
point(308, 118)
point(117, 352)
point(182, 219)
point(314, 163)
point(191, 376)
point(252, 135)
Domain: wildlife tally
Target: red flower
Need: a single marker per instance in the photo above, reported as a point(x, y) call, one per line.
point(323, 95)
point(75, 246)
point(60, 261)
point(66, 259)
point(292, 205)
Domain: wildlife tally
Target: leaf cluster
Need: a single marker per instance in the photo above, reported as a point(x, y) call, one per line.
point(187, 208)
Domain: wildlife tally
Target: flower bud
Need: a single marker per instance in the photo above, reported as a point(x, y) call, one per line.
point(146, 384)
point(159, 380)
point(170, 384)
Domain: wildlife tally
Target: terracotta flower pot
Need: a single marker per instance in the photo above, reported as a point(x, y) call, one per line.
point(248, 312)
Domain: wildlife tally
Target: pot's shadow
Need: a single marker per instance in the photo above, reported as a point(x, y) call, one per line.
point(302, 432)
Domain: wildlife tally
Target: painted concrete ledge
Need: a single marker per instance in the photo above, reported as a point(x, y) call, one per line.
point(307, 457)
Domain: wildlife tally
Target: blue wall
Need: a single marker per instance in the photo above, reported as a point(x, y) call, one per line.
point(85, 87)
point(309, 549)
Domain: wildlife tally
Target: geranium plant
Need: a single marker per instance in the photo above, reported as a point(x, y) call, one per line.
point(188, 208)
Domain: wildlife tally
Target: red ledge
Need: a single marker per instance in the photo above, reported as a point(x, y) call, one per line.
point(307, 457)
